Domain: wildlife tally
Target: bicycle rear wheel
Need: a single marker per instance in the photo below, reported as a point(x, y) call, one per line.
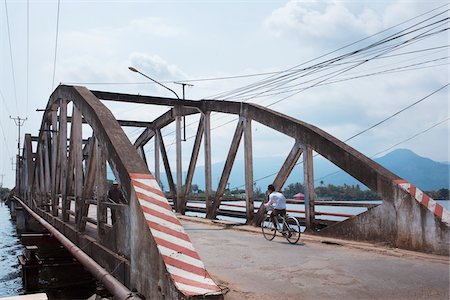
point(268, 229)
point(293, 234)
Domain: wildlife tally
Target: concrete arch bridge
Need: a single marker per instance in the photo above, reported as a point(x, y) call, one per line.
point(61, 178)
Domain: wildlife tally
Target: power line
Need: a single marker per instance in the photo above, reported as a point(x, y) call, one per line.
point(396, 113)
point(412, 137)
point(11, 56)
point(287, 77)
point(4, 102)
point(289, 89)
point(56, 45)
point(233, 76)
point(387, 149)
point(384, 50)
point(28, 53)
point(19, 123)
point(336, 50)
point(4, 138)
point(369, 128)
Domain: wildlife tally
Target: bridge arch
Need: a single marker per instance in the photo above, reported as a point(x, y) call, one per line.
point(62, 172)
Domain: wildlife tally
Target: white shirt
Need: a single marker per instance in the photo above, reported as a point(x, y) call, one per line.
point(277, 200)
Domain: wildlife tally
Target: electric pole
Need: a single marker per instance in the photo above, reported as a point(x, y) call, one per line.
point(19, 123)
point(183, 84)
point(1, 182)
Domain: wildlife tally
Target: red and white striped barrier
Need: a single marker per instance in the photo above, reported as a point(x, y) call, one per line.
point(425, 200)
point(182, 261)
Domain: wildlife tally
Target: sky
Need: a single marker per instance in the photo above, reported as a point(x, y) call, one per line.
point(92, 43)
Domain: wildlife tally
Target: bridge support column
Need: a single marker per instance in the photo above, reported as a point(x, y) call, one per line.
point(227, 169)
point(157, 158)
point(180, 194)
point(248, 169)
point(54, 158)
point(193, 162)
point(172, 186)
point(208, 181)
point(309, 187)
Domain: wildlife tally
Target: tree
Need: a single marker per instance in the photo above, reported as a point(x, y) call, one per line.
point(292, 189)
point(3, 192)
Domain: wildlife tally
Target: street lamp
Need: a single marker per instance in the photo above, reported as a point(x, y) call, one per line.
point(137, 71)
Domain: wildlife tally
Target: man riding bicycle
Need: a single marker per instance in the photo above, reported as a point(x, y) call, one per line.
point(277, 202)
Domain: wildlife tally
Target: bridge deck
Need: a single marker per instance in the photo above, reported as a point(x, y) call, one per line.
point(254, 268)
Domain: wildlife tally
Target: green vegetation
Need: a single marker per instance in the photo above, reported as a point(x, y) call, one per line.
point(333, 192)
point(346, 192)
point(351, 192)
point(329, 192)
point(441, 194)
point(3, 193)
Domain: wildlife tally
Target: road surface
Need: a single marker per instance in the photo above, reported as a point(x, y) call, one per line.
point(253, 268)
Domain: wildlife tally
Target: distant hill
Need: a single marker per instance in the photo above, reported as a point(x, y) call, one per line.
point(423, 172)
point(420, 171)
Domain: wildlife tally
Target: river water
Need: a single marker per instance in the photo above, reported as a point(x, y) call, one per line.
point(10, 246)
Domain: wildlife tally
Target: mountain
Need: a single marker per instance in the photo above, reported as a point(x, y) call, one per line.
point(423, 172)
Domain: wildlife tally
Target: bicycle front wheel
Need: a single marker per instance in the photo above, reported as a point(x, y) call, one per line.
point(268, 229)
point(293, 234)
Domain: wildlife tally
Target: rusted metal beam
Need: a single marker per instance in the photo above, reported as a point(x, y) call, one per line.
point(172, 186)
point(248, 161)
point(54, 158)
point(193, 162)
point(309, 187)
point(157, 156)
point(78, 167)
point(227, 168)
point(36, 139)
point(63, 153)
point(208, 170)
point(282, 176)
point(101, 191)
point(141, 153)
point(125, 123)
point(178, 157)
point(160, 122)
point(89, 184)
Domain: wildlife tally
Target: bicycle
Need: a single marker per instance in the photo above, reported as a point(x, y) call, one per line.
point(288, 226)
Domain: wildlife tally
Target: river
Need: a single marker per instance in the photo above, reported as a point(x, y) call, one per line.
point(10, 248)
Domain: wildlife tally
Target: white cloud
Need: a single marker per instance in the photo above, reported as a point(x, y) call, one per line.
point(154, 65)
point(154, 26)
point(322, 19)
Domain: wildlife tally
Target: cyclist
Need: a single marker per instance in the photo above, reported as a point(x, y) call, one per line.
point(277, 202)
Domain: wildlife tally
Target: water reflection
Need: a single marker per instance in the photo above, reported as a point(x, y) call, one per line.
point(10, 248)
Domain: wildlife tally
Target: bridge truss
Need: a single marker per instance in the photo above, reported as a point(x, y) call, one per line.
point(64, 180)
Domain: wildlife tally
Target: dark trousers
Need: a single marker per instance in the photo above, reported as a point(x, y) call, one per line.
point(277, 212)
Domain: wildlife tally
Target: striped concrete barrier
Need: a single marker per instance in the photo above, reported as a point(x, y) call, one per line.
point(182, 261)
point(438, 210)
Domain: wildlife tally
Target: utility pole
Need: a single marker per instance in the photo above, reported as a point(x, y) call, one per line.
point(1, 182)
point(183, 84)
point(19, 123)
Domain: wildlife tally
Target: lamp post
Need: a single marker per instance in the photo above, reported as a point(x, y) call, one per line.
point(179, 201)
point(155, 81)
point(184, 117)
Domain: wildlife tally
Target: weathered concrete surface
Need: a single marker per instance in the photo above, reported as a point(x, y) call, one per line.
point(253, 268)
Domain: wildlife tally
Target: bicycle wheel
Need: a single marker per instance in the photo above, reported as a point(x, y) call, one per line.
point(293, 234)
point(268, 229)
